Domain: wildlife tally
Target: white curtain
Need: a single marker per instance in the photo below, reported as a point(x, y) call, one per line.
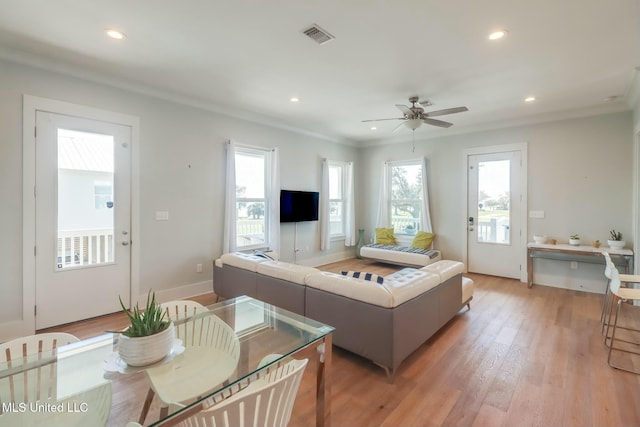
point(350, 211)
point(229, 240)
point(425, 222)
point(273, 198)
point(325, 241)
point(383, 201)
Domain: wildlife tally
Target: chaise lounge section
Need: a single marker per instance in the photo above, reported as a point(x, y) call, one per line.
point(383, 322)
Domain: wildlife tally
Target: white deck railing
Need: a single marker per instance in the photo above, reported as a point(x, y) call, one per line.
point(84, 247)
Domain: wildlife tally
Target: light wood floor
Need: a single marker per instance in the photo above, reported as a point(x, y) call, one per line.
point(519, 357)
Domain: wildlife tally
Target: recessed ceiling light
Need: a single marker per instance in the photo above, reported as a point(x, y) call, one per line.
point(115, 34)
point(530, 99)
point(294, 99)
point(373, 128)
point(497, 35)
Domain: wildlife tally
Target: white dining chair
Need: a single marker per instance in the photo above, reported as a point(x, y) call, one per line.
point(38, 384)
point(183, 309)
point(211, 354)
point(267, 401)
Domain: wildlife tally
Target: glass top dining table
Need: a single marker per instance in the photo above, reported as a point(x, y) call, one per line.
point(85, 383)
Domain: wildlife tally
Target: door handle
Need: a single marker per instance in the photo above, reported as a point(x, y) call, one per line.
point(470, 223)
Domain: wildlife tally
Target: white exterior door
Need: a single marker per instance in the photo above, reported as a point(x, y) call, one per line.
point(494, 205)
point(82, 218)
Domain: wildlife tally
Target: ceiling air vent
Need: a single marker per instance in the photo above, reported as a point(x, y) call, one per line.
point(317, 34)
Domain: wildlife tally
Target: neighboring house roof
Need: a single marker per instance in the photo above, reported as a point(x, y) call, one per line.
point(85, 151)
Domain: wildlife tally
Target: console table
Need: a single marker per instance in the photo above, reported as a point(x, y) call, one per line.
point(587, 254)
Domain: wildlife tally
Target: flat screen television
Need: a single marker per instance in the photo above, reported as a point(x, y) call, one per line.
point(298, 206)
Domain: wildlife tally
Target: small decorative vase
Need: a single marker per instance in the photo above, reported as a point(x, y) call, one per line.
point(142, 351)
point(616, 244)
point(360, 243)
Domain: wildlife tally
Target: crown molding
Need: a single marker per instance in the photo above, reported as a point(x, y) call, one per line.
point(50, 65)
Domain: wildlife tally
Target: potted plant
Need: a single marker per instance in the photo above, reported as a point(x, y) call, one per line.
point(149, 338)
point(596, 244)
point(409, 229)
point(615, 240)
point(574, 240)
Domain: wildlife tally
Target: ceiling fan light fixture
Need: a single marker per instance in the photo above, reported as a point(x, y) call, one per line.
point(497, 35)
point(115, 34)
point(413, 124)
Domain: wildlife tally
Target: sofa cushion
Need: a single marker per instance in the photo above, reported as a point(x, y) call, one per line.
point(422, 240)
point(384, 236)
point(408, 283)
point(286, 271)
point(368, 292)
point(467, 289)
point(445, 268)
point(242, 260)
point(364, 276)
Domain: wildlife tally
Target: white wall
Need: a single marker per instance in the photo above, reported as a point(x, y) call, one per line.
point(580, 174)
point(181, 170)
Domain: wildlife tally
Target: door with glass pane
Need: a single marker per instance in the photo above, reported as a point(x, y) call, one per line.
point(83, 213)
point(493, 220)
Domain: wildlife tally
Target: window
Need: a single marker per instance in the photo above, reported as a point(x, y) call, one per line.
point(251, 201)
point(102, 194)
point(406, 196)
point(337, 208)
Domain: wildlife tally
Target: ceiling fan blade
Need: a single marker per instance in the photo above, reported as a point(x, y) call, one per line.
point(446, 111)
point(379, 120)
point(398, 127)
point(406, 110)
point(438, 123)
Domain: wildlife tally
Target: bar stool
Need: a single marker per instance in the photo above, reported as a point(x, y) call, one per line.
point(624, 279)
point(618, 295)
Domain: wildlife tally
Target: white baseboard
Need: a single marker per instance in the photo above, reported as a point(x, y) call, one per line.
point(180, 292)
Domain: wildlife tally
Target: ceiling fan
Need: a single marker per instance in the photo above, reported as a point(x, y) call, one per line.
point(414, 116)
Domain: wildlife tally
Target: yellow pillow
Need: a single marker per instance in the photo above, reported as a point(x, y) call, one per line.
point(422, 240)
point(384, 236)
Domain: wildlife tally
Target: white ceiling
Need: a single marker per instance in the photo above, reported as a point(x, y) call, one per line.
point(249, 57)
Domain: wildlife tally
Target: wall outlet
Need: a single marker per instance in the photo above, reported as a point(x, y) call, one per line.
point(198, 268)
point(162, 216)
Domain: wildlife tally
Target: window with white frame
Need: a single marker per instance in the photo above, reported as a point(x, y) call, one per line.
point(337, 192)
point(406, 196)
point(102, 194)
point(252, 204)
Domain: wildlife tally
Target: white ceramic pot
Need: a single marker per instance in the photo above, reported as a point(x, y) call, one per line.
point(141, 351)
point(538, 238)
point(616, 244)
point(574, 242)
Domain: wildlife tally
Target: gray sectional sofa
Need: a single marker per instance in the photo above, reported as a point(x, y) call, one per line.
point(384, 323)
